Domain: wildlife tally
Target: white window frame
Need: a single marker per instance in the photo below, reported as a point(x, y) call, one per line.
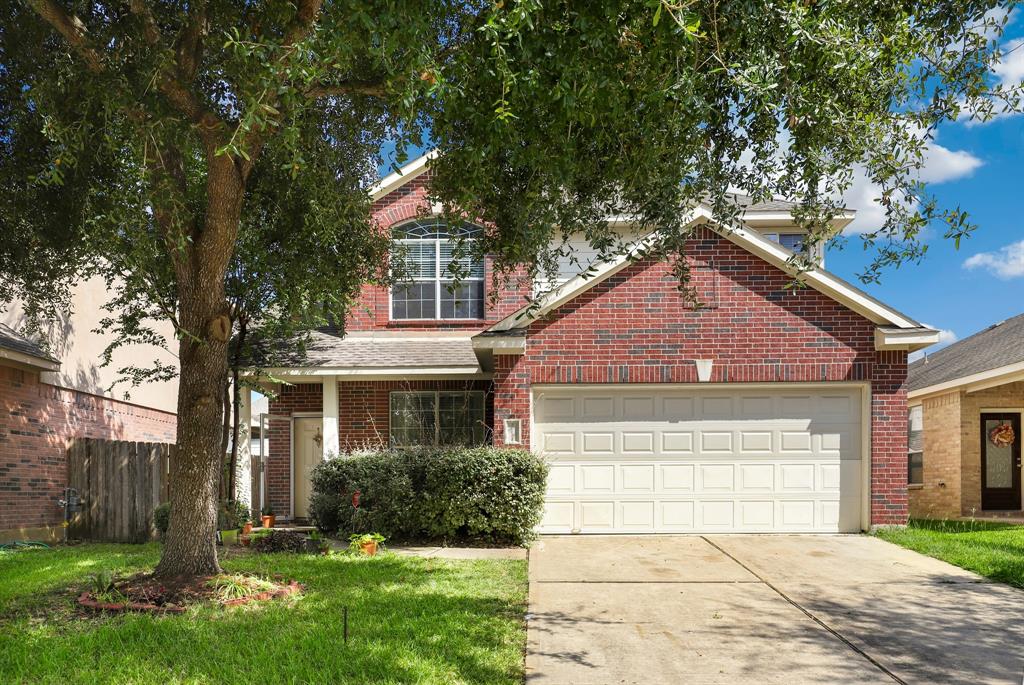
point(436, 394)
point(438, 281)
point(910, 422)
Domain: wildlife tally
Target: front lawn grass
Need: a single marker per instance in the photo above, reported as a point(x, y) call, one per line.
point(991, 549)
point(411, 620)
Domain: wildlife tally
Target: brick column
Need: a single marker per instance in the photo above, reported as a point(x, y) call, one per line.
point(889, 439)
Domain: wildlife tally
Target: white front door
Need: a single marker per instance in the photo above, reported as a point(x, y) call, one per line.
point(693, 460)
point(309, 451)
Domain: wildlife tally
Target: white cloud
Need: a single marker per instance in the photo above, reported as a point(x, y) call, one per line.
point(946, 337)
point(940, 165)
point(1007, 262)
point(1010, 68)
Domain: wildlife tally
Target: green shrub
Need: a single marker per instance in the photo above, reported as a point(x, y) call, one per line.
point(278, 541)
point(162, 518)
point(453, 493)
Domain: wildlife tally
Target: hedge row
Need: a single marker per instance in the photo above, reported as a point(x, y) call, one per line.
point(455, 493)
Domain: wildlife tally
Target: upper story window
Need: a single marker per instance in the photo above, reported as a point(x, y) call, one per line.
point(794, 242)
point(425, 252)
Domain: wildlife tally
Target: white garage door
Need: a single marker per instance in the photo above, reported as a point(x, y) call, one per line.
point(642, 459)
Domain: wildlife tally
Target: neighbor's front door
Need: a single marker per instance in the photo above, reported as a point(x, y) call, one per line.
point(309, 451)
point(1000, 462)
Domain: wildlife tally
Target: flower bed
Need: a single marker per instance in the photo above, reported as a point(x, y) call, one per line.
point(145, 593)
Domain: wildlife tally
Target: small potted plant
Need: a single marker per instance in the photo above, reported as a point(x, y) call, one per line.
point(247, 527)
point(268, 517)
point(365, 543)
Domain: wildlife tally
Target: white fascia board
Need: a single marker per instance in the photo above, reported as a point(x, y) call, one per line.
point(785, 218)
point(750, 240)
point(910, 339)
point(32, 362)
point(976, 381)
point(819, 279)
point(501, 345)
point(396, 180)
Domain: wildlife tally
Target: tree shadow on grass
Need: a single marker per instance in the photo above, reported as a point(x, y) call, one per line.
point(410, 620)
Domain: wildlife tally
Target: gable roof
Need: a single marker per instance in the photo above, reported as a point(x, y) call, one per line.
point(16, 348)
point(755, 243)
point(894, 325)
point(998, 348)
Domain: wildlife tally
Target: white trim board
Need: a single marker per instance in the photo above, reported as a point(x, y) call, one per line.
point(753, 242)
point(396, 180)
point(975, 382)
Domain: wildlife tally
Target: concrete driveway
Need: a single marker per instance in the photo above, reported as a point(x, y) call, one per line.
point(763, 609)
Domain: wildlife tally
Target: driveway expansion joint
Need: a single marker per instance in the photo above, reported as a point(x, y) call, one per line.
point(811, 615)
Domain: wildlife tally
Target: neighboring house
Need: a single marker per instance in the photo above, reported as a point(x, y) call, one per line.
point(51, 394)
point(768, 409)
point(966, 402)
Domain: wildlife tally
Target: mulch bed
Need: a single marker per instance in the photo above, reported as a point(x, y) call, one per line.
point(173, 596)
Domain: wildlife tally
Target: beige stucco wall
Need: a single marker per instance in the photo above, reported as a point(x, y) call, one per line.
point(952, 449)
point(72, 341)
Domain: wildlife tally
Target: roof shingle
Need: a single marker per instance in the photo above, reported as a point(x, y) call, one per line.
point(11, 340)
point(324, 350)
point(996, 346)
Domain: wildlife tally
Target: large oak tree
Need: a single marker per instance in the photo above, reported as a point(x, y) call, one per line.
point(210, 158)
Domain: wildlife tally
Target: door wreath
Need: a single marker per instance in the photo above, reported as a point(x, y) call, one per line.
point(1002, 435)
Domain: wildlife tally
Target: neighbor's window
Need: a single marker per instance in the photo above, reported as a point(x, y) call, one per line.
point(429, 257)
point(438, 418)
point(915, 442)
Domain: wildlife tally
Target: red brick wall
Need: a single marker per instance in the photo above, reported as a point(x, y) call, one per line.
point(637, 328)
point(37, 422)
point(371, 310)
point(889, 504)
point(363, 421)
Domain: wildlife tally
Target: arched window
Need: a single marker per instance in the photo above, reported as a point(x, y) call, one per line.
point(424, 258)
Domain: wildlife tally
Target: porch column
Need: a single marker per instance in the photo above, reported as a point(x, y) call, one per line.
point(243, 469)
point(332, 444)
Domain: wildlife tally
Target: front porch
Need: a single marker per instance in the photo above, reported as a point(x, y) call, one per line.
point(365, 391)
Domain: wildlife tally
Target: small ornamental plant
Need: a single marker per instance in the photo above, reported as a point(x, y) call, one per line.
point(366, 544)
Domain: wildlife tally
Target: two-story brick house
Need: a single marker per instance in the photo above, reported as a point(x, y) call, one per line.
point(767, 409)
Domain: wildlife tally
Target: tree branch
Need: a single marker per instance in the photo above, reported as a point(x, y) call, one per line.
point(189, 49)
point(72, 29)
point(371, 88)
point(149, 27)
point(305, 15)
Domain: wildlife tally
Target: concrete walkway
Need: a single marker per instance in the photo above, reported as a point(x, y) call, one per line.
point(763, 609)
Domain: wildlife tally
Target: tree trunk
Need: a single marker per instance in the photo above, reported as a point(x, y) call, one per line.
point(190, 549)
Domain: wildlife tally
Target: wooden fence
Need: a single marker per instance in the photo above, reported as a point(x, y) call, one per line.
point(120, 484)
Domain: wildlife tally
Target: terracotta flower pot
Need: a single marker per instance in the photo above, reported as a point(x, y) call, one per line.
point(268, 521)
point(246, 527)
point(245, 540)
point(369, 548)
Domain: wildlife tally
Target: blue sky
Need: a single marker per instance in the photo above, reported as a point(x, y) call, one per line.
point(980, 168)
